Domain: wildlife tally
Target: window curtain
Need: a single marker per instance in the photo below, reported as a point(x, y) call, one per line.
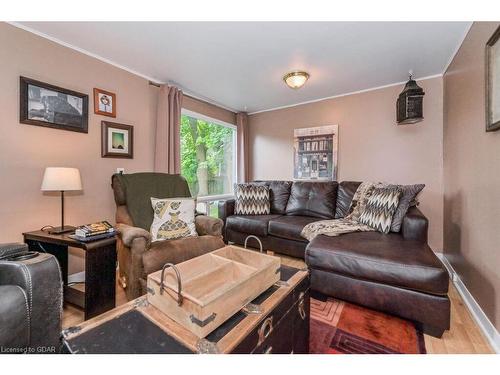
point(168, 130)
point(242, 147)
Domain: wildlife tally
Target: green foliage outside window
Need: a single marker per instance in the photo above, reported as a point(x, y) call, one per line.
point(207, 156)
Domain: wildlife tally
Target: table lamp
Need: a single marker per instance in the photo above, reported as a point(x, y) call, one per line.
point(61, 179)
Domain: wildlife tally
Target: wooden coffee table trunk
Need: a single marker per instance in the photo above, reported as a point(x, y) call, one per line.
point(277, 321)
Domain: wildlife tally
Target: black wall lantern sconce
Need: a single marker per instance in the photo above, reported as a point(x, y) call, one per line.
point(410, 104)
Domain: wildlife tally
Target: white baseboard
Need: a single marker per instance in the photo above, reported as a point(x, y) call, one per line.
point(486, 327)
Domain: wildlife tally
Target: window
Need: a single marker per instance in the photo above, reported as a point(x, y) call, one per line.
point(208, 156)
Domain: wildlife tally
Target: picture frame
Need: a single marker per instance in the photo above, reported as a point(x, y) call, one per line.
point(43, 104)
point(315, 153)
point(104, 103)
point(493, 82)
point(117, 140)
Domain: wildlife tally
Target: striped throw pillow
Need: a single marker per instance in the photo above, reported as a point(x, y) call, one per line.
point(380, 208)
point(252, 199)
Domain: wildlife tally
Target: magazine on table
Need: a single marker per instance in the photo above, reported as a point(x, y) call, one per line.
point(94, 231)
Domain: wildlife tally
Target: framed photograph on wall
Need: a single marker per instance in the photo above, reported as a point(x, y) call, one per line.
point(493, 82)
point(104, 103)
point(117, 140)
point(315, 153)
point(51, 106)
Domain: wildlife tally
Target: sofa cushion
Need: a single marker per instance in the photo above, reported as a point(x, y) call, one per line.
point(251, 224)
point(290, 227)
point(279, 193)
point(315, 199)
point(345, 193)
point(387, 259)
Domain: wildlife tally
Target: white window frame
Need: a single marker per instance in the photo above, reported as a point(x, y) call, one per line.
point(211, 198)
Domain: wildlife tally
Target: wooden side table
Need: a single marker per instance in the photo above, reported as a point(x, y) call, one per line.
point(100, 269)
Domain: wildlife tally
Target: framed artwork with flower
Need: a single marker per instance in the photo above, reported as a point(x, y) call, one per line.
point(104, 103)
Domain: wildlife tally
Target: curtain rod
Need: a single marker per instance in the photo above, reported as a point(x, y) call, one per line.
point(151, 83)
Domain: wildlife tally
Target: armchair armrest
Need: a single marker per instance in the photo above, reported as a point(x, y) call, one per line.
point(206, 225)
point(415, 225)
point(226, 209)
point(131, 244)
point(8, 249)
point(128, 234)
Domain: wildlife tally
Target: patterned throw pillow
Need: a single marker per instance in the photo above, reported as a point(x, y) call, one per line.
point(360, 198)
point(380, 208)
point(408, 199)
point(173, 218)
point(251, 199)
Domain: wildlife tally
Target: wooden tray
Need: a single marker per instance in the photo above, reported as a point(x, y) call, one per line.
point(213, 287)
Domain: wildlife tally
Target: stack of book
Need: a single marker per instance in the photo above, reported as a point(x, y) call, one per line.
point(94, 231)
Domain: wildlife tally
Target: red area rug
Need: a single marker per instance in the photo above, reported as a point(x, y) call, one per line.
point(342, 328)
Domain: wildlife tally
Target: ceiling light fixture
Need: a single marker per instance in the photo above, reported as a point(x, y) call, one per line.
point(296, 79)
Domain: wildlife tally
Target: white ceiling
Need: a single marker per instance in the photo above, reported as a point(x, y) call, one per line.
point(240, 65)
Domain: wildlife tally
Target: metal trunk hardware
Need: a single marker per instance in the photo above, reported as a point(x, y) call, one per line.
point(302, 312)
point(252, 308)
point(265, 330)
point(203, 346)
point(141, 302)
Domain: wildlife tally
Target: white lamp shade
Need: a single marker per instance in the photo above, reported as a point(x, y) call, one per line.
point(61, 179)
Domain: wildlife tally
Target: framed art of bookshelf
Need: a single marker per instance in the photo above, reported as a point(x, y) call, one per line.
point(316, 153)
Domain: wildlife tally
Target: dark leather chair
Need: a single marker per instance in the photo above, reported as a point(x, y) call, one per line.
point(30, 301)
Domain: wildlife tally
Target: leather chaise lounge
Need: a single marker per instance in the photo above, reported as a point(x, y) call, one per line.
point(396, 273)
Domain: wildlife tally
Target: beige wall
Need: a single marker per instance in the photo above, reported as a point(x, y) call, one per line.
point(25, 150)
point(472, 175)
point(371, 145)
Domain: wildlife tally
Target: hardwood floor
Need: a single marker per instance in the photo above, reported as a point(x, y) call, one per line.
point(464, 336)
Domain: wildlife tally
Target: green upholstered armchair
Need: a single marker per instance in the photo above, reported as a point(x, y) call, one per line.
point(137, 255)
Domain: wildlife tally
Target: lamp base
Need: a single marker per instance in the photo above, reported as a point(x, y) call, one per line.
point(61, 230)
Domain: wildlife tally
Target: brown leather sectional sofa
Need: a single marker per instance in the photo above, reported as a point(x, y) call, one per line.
point(397, 272)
